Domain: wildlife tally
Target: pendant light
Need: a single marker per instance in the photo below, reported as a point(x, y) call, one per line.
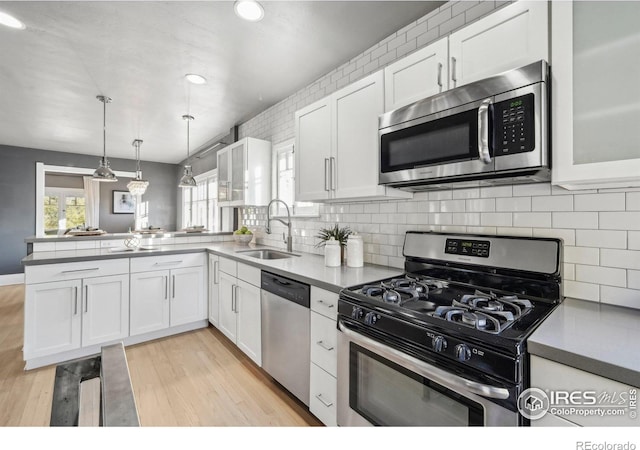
point(104, 172)
point(137, 186)
point(187, 180)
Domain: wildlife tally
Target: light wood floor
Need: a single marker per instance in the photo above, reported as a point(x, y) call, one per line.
point(192, 379)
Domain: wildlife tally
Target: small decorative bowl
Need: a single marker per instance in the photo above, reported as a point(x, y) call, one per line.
point(242, 238)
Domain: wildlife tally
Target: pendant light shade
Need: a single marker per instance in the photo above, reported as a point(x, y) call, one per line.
point(137, 186)
point(187, 180)
point(104, 172)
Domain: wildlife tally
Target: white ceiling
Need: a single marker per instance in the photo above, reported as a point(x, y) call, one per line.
point(138, 52)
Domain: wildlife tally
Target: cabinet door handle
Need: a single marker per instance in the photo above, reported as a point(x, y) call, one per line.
point(453, 70)
point(324, 346)
point(326, 304)
point(332, 166)
point(439, 79)
point(235, 291)
point(81, 270)
point(86, 298)
point(166, 287)
point(173, 287)
point(75, 307)
point(215, 273)
point(326, 174)
point(323, 401)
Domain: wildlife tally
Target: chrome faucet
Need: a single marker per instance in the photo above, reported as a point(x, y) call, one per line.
point(288, 239)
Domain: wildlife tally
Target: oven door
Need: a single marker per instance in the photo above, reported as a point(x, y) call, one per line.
point(449, 143)
point(379, 385)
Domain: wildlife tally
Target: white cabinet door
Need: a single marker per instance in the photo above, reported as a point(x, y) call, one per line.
point(187, 296)
point(228, 321)
point(105, 309)
point(354, 170)
point(224, 175)
point(595, 96)
point(323, 395)
point(238, 167)
point(509, 38)
point(149, 302)
point(420, 75)
point(313, 148)
point(249, 338)
point(52, 318)
point(214, 293)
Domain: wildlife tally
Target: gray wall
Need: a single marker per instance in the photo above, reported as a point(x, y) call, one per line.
point(116, 223)
point(18, 188)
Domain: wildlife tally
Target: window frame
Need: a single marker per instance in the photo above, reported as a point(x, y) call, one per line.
point(298, 209)
point(62, 193)
point(223, 218)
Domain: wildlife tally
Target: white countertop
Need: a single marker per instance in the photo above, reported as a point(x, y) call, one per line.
point(307, 267)
point(594, 337)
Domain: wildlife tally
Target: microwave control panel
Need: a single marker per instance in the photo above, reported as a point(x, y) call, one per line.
point(514, 125)
point(467, 247)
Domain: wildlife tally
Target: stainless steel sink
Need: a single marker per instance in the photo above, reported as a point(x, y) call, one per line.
point(266, 254)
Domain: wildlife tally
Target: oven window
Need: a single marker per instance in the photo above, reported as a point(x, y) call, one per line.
point(385, 393)
point(452, 138)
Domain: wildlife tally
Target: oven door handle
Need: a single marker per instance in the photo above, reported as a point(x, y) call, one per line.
point(424, 369)
point(483, 131)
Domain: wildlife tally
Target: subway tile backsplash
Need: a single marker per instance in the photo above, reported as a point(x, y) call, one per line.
point(593, 224)
point(601, 248)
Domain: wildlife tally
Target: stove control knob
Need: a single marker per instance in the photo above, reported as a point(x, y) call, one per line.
point(371, 318)
point(357, 313)
point(463, 353)
point(438, 344)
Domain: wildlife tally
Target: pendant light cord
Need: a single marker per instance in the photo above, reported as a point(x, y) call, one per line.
point(104, 129)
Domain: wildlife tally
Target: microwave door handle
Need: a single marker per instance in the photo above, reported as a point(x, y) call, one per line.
point(483, 131)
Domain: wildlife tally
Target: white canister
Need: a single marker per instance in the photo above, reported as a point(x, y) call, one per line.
point(355, 251)
point(332, 253)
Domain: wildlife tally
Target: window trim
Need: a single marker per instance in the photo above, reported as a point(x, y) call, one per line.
point(62, 193)
point(277, 149)
point(224, 216)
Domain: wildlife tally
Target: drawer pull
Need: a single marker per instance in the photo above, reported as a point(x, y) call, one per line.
point(323, 401)
point(168, 263)
point(81, 270)
point(324, 346)
point(327, 304)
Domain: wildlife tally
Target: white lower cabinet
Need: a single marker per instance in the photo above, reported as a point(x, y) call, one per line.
point(576, 392)
point(166, 298)
point(240, 312)
point(67, 315)
point(323, 355)
point(214, 292)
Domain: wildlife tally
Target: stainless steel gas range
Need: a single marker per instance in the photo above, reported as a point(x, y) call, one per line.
point(445, 344)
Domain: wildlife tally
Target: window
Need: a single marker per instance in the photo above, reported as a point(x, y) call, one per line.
point(63, 209)
point(284, 184)
point(200, 204)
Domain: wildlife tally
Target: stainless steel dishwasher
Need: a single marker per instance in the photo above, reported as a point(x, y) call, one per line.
point(285, 333)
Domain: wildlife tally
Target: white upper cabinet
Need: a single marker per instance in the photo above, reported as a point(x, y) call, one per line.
point(313, 143)
point(420, 75)
point(337, 145)
point(595, 94)
point(509, 38)
point(244, 173)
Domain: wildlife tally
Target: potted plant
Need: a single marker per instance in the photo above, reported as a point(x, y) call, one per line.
point(339, 234)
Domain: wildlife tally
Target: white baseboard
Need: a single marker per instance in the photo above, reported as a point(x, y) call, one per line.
point(12, 278)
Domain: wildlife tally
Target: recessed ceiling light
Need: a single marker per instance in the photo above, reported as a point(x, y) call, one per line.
point(249, 10)
point(195, 78)
point(10, 21)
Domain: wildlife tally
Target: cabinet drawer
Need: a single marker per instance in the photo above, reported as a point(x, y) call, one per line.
point(149, 263)
point(75, 270)
point(324, 302)
point(228, 266)
point(324, 338)
point(322, 398)
point(249, 274)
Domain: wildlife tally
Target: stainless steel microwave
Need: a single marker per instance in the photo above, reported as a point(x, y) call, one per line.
point(493, 131)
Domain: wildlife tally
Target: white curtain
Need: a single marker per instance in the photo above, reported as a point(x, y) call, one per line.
point(92, 202)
